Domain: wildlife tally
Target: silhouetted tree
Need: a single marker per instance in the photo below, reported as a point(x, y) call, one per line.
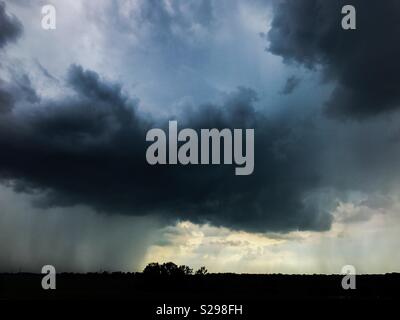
point(202, 271)
point(186, 270)
point(152, 269)
point(170, 269)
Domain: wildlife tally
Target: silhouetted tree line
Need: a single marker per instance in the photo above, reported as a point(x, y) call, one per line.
point(171, 269)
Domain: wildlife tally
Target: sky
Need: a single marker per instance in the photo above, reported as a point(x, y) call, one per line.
point(76, 102)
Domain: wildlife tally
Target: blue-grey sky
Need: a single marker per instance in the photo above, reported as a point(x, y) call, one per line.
point(75, 103)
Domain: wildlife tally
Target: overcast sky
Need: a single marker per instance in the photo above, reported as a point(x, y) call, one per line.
point(76, 103)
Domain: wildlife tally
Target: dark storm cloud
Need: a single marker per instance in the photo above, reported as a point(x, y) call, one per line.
point(20, 86)
point(290, 85)
point(23, 87)
point(89, 148)
point(364, 63)
point(10, 27)
point(6, 99)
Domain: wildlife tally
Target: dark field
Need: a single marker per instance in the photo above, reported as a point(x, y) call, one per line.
point(213, 287)
point(259, 295)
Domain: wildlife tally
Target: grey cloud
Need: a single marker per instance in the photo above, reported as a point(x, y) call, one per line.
point(20, 86)
point(165, 21)
point(46, 72)
point(290, 85)
point(89, 148)
point(10, 27)
point(24, 87)
point(363, 63)
point(71, 239)
point(18, 89)
point(6, 99)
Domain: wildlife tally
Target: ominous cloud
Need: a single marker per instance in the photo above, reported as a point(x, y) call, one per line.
point(18, 89)
point(72, 140)
point(10, 27)
point(71, 239)
point(6, 99)
point(290, 85)
point(89, 148)
point(10, 30)
point(364, 63)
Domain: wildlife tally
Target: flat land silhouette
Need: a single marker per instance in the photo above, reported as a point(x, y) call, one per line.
point(197, 288)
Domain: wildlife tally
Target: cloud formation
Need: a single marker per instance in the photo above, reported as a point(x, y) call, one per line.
point(89, 148)
point(71, 239)
point(10, 27)
point(74, 139)
point(363, 63)
point(10, 30)
point(291, 84)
